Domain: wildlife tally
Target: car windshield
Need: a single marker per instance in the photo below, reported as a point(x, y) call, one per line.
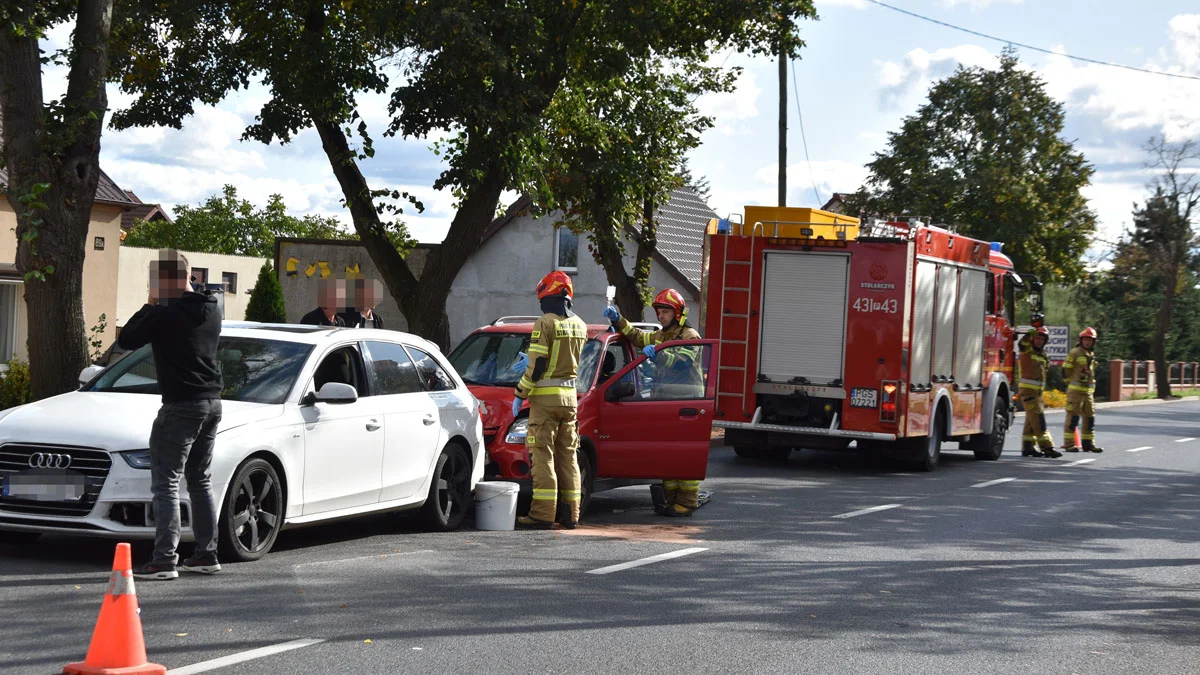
point(589, 360)
point(254, 370)
point(491, 359)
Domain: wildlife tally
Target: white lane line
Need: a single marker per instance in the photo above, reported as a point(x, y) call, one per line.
point(993, 482)
point(873, 509)
point(1184, 440)
point(241, 657)
point(1144, 447)
point(646, 561)
point(1077, 462)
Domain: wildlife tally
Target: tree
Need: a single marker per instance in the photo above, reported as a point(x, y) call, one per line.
point(1162, 228)
point(986, 154)
point(51, 151)
point(232, 226)
point(482, 72)
point(266, 301)
point(617, 150)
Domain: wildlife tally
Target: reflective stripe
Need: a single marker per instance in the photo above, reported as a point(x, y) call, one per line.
point(545, 494)
point(543, 391)
point(570, 493)
point(669, 357)
point(685, 484)
point(525, 383)
point(627, 329)
point(556, 382)
point(1028, 439)
point(540, 350)
point(1031, 384)
point(1079, 387)
point(121, 583)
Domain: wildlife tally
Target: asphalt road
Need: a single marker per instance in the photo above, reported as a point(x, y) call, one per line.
point(1017, 566)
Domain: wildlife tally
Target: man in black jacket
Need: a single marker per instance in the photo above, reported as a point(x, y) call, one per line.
point(367, 293)
point(329, 305)
point(182, 328)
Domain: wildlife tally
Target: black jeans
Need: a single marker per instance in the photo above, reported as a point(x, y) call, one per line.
point(181, 444)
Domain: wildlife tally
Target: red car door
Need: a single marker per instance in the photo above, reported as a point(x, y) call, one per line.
point(655, 417)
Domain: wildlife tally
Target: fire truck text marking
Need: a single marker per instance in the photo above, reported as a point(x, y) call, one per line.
point(867, 305)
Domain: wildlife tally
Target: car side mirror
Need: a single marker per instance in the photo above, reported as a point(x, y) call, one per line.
point(88, 373)
point(333, 393)
point(620, 390)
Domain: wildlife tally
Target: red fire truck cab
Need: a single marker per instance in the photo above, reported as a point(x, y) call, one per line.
point(897, 336)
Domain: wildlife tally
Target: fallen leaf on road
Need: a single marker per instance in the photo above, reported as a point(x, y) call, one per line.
point(812, 616)
point(181, 635)
point(78, 587)
point(367, 641)
point(417, 649)
point(341, 606)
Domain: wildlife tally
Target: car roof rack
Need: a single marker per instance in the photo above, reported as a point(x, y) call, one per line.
point(515, 319)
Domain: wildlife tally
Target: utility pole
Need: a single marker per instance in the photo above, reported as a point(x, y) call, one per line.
point(783, 107)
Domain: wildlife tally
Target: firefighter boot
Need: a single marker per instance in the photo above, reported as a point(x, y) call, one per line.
point(1028, 450)
point(1089, 446)
point(1049, 451)
point(530, 523)
point(678, 511)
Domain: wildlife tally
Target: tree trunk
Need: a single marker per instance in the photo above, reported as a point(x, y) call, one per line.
point(52, 228)
point(1162, 324)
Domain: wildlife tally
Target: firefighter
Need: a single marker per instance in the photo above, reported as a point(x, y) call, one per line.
point(549, 385)
point(674, 367)
point(1035, 437)
point(1079, 371)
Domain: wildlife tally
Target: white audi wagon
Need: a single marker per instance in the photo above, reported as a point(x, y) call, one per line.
point(319, 423)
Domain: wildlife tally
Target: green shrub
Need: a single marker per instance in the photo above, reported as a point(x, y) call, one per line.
point(14, 385)
point(266, 301)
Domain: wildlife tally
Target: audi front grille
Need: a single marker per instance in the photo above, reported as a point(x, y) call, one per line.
point(92, 463)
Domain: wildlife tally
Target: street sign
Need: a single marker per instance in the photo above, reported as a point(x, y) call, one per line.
point(1059, 344)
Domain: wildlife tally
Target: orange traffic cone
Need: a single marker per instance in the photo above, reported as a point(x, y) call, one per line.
point(118, 647)
point(1078, 443)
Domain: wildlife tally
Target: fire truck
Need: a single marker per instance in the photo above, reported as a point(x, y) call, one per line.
point(898, 336)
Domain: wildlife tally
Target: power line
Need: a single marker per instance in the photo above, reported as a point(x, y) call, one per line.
point(1031, 47)
point(799, 114)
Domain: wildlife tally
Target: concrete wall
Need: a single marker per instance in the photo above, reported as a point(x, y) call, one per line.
point(134, 279)
point(499, 280)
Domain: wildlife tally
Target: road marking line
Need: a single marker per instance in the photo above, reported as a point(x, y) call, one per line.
point(1077, 462)
point(1184, 440)
point(993, 482)
point(646, 561)
point(1144, 447)
point(242, 657)
point(873, 509)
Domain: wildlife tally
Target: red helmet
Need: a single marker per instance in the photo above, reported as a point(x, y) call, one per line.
point(1042, 330)
point(555, 283)
point(1088, 332)
point(670, 299)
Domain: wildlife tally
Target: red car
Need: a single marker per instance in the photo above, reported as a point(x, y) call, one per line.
point(632, 430)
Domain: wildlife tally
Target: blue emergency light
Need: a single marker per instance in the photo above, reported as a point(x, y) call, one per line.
point(997, 245)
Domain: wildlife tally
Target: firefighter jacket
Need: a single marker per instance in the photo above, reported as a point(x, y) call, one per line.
point(1034, 365)
point(680, 366)
point(1079, 369)
point(554, 348)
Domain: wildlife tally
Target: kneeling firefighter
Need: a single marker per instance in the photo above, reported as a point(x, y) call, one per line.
point(1035, 437)
point(676, 366)
point(549, 385)
point(1079, 369)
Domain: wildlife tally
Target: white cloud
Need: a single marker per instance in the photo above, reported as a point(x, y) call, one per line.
point(1185, 40)
point(829, 176)
point(854, 4)
point(729, 110)
point(902, 84)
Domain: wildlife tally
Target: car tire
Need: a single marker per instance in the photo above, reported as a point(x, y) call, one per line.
point(763, 454)
point(449, 490)
point(251, 512)
point(928, 450)
point(587, 480)
point(991, 446)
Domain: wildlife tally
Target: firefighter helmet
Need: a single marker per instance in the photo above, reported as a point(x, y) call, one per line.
point(1042, 330)
point(670, 299)
point(1088, 332)
point(555, 283)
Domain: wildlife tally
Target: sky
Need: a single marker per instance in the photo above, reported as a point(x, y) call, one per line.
point(863, 69)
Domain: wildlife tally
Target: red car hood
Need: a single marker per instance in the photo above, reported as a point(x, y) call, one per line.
point(497, 402)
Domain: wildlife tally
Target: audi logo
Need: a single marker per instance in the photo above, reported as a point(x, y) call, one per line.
point(49, 460)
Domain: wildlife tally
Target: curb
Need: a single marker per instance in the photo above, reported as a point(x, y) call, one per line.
point(1124, 404)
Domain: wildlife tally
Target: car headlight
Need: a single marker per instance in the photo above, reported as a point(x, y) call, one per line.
point(138, 459)
point(517, 432)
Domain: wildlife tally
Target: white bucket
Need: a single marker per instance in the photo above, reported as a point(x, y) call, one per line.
point(496, 505)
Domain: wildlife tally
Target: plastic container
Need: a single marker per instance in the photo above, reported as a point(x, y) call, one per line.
point(496, 505)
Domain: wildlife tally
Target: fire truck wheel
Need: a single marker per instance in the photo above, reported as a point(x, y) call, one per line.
point(928, 450)
point(991, 446)
point(763, 454)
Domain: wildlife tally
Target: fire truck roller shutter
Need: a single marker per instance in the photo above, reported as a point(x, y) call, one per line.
point(968, 362)
point(804, 316)
point(923, 314)
point(943, 336)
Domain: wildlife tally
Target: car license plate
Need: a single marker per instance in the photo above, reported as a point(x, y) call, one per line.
point(864, 398)
point(45, 486)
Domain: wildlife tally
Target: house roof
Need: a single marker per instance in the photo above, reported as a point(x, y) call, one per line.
point(107, 191)
point(142, 210)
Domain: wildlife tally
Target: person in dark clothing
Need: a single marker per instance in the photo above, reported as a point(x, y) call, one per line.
point(366, 293)
point(182, 328)
point(328, 305)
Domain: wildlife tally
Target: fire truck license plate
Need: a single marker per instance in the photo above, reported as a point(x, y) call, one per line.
point(864, 398)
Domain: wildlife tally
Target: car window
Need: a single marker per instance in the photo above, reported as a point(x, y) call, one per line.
point(492, 359)
point(253, 369)
point(589, 360)
point(343, 365)
point(432, 375)
point(395, 373)
point(676, 373)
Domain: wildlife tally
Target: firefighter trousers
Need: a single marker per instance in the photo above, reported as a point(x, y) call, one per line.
point(1035, 430)
point(1081, 413)
point(552, 440)
point(682, 492)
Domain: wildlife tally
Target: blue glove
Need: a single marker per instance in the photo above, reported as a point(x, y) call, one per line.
point(521, 363)
point(649, 351)
point(612, 314)
point(516, 406)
